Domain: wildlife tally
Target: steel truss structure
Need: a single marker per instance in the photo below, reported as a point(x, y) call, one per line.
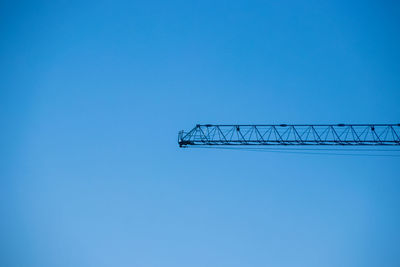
point(285, 134)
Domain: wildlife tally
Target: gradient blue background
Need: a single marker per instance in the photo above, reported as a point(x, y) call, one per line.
point(93, 94)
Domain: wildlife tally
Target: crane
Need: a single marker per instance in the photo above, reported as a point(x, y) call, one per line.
point(291, 135)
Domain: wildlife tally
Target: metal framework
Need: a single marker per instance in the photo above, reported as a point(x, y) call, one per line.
point(285, 134)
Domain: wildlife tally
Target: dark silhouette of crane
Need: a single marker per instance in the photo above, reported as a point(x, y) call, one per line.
point(291, 134)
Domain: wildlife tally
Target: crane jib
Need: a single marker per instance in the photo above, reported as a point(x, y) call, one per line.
point(291, 134)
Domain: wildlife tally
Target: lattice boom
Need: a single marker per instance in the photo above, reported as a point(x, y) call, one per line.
point(283, 134)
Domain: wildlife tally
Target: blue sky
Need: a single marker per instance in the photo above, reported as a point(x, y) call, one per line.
point(93, 94)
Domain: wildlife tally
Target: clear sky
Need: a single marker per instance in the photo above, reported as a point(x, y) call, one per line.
point(93, 94)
